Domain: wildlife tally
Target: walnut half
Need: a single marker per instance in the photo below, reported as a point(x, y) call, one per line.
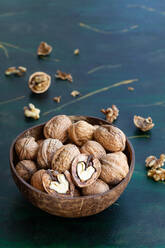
point(39, 82)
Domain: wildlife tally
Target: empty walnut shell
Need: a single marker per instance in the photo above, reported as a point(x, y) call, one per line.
point(26, 148)
point(114, 167)
point(57, 127)
point(39, 82)
point(93, 148)
point(46, 151)
point(25, 169)
point(63, 157)
point(36, 180)
point(56, 183)
point(44, 49)
point(85, 170)
point(80, 132)
point(97, 187)
point(110, 137)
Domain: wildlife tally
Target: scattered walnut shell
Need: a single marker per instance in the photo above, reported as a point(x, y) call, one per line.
point(92, 147)
point(85, 170)
point(57, 127)
point(39, 82)
point(44, 49)
point(57, 99)
point(110, 137)
point(36, 180)
point(111, 113)
point(56, 183)
point(80, 132)
point(64, 76)
point(154, 163)
point(46, 151)
point(98, 187)
point(63, 157)
point(114, 167)
point(25, 169)
point(26, 148)
point(20, 71)
point(142, 123)
point(32, 112)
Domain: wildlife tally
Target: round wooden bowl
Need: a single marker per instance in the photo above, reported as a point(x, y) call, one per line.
point(70, 207)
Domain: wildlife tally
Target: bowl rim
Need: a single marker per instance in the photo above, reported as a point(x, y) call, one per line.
point(12, 167)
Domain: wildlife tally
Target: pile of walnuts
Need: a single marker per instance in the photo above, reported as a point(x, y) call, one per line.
point(74, 159)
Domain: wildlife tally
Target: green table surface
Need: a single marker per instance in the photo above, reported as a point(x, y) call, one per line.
point(120, 42)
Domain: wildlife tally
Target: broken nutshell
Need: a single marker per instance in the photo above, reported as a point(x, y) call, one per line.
point(92, 147)
point(85, 170)
point(57, 99)
point(39, 82)
point(64, 76)
point(32, 112)
point(98, 187)
point(25, 169)
point(142, 123)
point(111, 113)
point(44, 49)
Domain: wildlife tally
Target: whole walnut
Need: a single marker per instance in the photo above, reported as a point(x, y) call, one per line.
point(46, 151)
point(25, 169)
point(80, 132)
point(98, 187)
point(110, 137)
point(92, 147)
point(36, 180)
point(114, 167)
point(63, 157)
point(26, 148)
point(57, 127)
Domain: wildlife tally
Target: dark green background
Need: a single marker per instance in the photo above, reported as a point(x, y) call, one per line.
point(118, 40)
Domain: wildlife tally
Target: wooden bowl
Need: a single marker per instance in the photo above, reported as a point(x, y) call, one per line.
point(70, 207)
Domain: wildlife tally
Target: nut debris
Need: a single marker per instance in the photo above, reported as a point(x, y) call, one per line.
point(39, 82)
point(44, 49)
point(76, 51)
point(111, 113)
point(142, 123)
point(57, 99)
point(154, 163)
point(75, 93)
point(130, 88)
point(20, 71)
point(32, 111)
point(64, 76)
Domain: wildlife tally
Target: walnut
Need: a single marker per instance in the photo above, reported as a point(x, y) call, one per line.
point(92, 147)
point(64, 76)
point(40, 141)
point(75, 93)
point(98, 187)
point(77, 193)
point(85, 170)
point(26, 148)
point(80, 132)
point(111, 113)
point(44, 49)
point(63, 157)
point(157, 174)
point(154, 163)
point(36, 180)
point(76, 51)
point(56, 183)
point(25, 169)
point(32, 112)
point(110, 137)
point(142, 123)
point(114, 167)
point(20, 71)
point(46, 151)
point(57, 99)
point(39, 82)
point(57, 127)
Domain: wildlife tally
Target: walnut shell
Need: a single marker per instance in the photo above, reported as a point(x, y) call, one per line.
point(25, 169)
point(98, 187)
point(39, 82)
point(50, 177)
point(63, 157)
point(80, 132)
point(46, 151)
point(92, 147)
point(84, 177)
point(57, 127)
point(114, 167)
point(26, 148)
point(111, 138)
point(36, 180)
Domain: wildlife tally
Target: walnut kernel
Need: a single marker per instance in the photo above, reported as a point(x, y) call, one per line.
point(75, 93)
point(154, 163)
point(15, 71)
point(57, 99)
point(76, 51)
point(32, 111)
point(64, 76)
point(111, 113)
point(157, 174)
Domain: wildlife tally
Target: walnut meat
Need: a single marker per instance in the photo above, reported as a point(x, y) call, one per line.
point(36, 180)
point(26, 148)
point(46, 151)
point(92, 147)
point(98, 187)
point(80, 132)
point(110, 137)
point(57, 128)
point(142, 123)
point(25, 169)
point(154, 163)
point(157, 174)
point(114, 167)
point(39, 82)
point(111, 113)
point(85, 170)
point(63, 157)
